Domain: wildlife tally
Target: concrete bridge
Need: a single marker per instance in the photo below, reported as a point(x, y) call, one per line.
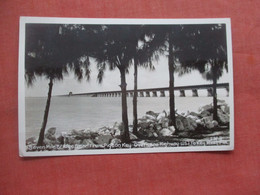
point(158, 92)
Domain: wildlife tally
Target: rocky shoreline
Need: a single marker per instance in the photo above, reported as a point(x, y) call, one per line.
point(194, 129)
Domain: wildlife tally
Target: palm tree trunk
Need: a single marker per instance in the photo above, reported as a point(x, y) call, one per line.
point(125, 134)
point(171, 83)
point(46, 113)
point(215, 103)
point(135, 99)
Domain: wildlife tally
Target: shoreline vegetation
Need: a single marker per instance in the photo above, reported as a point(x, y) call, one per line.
point(154, 130)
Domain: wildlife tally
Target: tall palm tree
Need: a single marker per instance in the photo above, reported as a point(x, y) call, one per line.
point(204, 48)
point(119, 50)
point(50, 53)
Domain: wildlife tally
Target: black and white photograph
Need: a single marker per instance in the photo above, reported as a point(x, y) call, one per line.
point(114, 86)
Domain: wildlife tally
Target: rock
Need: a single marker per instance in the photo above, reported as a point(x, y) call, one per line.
point(209, 125)
point(172, 129)
point(115, 142)
point(205, 113)
point(192, 125)
point(179, 124)
point(208, 108)
point(215, 123)
point(152, 114)
point(164, 122)
point(132, 136)
point(71, 140)
point(161, 115)
point(88, 142)
point(49, 137)
point(194, 114)
point(150, 117)
point(103, 139)
point(60, 140)
point(143, 124)
point(223, 118)
point(51, 131)
point(207, 119)
point(225, 108)
point(30, 140)
point(165, 132)
point(192, 117)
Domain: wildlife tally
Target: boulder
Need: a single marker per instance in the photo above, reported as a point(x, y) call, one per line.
point(103, 139)
point(205, 113)
point(150, 117)
point(51, 131)
point(115, 142)
point(165, 132)
point(179, 124)
point(209, 125)
point(132, 136)
point(164, 122)
point(30, 140)
point(49, 137)
point(88, 142)
point(144, 124)
point(192, 125)
point(215, 123)
point(161, 115)
point(152, 114)
point(208, 108)
point(222, 117)
point(71, 140)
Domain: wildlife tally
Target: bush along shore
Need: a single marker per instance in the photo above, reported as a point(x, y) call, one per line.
point(194, 129)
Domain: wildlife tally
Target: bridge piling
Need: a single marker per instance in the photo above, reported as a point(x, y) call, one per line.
point(147, 94)
point(227, 89)
point(141, 94)
point(182, 93)
point(210, 92)
point(194, 93)
point(162, 94)
point(154, 93)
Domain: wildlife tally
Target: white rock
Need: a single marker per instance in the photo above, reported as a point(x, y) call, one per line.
point(166, 132)
point(132, 136)
point(172, 129)
point(161, 115)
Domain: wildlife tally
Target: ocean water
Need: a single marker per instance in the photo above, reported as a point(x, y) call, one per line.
point(81, 112)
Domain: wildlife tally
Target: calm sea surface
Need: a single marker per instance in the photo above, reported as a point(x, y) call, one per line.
point(78, 112)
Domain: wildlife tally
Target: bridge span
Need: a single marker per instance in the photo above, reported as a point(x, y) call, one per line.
point(157, 92)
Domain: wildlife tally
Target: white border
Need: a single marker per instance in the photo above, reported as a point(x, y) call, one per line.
point(49, 20)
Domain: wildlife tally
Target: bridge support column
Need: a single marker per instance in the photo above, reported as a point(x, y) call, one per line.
point(227, 89)
point(141, 94)
point(154, 93)
point(147, 94)
point(131, 94)
point(182, 93)
point(210, 92)
point(119, 94)
point(162, 94)
point(194, 93)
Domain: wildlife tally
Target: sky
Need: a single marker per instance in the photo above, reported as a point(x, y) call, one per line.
point(146, 79)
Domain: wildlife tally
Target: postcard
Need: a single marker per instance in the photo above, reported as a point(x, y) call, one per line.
point(117, 86)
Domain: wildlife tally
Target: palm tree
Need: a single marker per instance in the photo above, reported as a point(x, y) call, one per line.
point(145, 54)
point(204, 48)
point(163, 42)
point(50, 53)
point(119, 50)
